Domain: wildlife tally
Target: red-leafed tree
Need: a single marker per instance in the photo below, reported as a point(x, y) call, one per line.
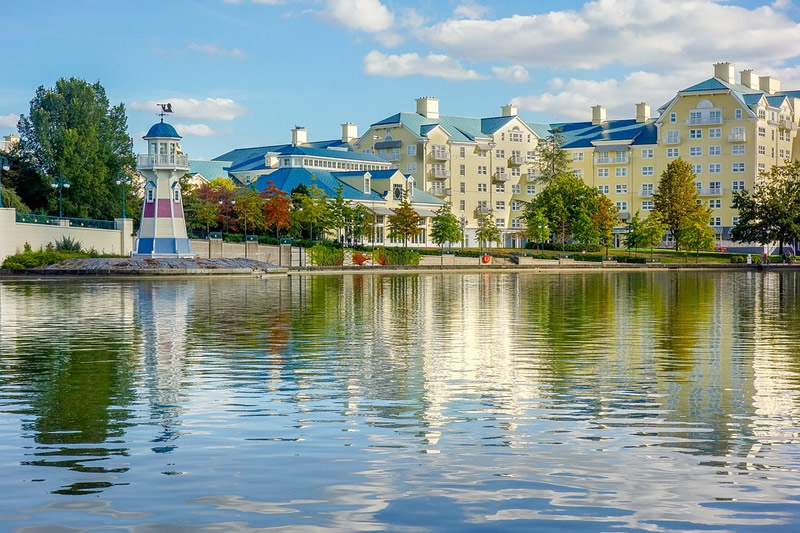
point(276, 208)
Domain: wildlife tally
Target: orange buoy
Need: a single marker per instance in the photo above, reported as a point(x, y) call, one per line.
point(486, 258)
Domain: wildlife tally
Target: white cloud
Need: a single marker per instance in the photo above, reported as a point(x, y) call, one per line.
point(9, 121)
point(470, 10)
point(575, 96)
point(512, 74)
point(197, 130)
point(433, 65)
point(195, 109)
point(216, 50)
point(370, 16)
point(654, 34)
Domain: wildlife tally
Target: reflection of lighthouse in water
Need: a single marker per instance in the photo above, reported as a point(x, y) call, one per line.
point(162, 310)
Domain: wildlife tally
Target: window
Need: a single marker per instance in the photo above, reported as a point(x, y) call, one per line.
point(699, 186)
point(397, 192)
point(515, 136)
point(621, 188)
point(500, 154)
point(578, 173)
point(762, 150)
point(603, 189)
point(516, 205)
point(462, 152)
point(647, 153)
point(622, 206)
point(762, 167)
point(516, 188)
point(695, 117)
point(515, 223)
point(737, 114)
point(737, 149)
point(620, 157)
point(462, 205)
point(602, 172)
point(647, 189)
point(714, 133)
point(500, 205)
point(695, 151)
point(735, 220)
point(500, 187)
point(602, 158)
point(481, 153)
point(411, 168)
point(482, 187)
point(715, 187)
point(697, 168)
point(482, 170)
point(737, 168)
point(737, 185)
point(647, 205)
point(150, 195)
point(367, 185)
point(647, 171)
point(462, 170)
point(762, 113)
point(531, 189)
point(411, 149)
point(781, 154)
point(715, 221)
point(715, 204)
point(673, 152)
point(695, 134)
point(577, 156)
point(516, 172)
point(500, 222)
point(673, 117)
point(621, 172)
point(714, 150)
point(673, 137)
point(762, 132)
point(715, 117)
point(462, 187)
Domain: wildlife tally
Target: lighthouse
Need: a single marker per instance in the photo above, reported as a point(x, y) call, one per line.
point(162, 231)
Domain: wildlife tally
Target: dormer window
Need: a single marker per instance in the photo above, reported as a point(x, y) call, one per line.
point(150, 194)
point(397, 192)
point(367, 184)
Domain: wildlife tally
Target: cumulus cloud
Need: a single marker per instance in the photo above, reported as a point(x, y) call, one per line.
point(575, 97)
point(216, 50)
point(9, 121)
point(196, 130)
point(640, 33)
point(433, 65)
point(195, 109)
point(512, 74)
point(369, 16)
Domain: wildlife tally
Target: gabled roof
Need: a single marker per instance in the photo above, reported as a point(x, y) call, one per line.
point(374, 174)
point(287, 179)
point(791, 94)
point(461, 129)
point(492, 124)
point(752, 99)
point(209, 169)
point(776, 100)
point(240, 155)
point(582, 134)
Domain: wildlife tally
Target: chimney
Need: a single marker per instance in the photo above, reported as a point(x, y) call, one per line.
point(725, 71)
point(642, 112)
point(428, 107)
point(299, 136)
point(769, 85)
point(749, 78)
point(509, 110)
point(598, 115)
point(349, 132)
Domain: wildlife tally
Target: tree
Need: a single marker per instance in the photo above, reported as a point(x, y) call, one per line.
point(605, 219)
point(201, 212)
point(583, 229)
point(445, 226)
point(248, 209)
point(537, 229)
point(696, 234)
point(24, 180)
point(339, 208)
point(487, 230)
point(360, 221)
point(311, 208)
point(563, 201)
point(552, 158)
point(276, 208)
point(73, 131)
point(771, 212)
point(633, 235)
point(651, 232)
point(404, 224)
point(675, 201)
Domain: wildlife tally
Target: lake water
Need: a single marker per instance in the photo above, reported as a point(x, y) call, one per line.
point(661, 401)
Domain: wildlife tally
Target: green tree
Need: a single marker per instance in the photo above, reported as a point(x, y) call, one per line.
point(563, 202)
point(404, 224)
point(771, 212)
point(360, 221)
point(445, 226)
point(248, 209)
point(200, 212)
point(552, 159)
point(696, 234)
point(633, 234)
point(536, 223)
point(73, 131)
point(583, 229)
point(651, 232)
point(339, 212)
point(605, 220)
point(675, 201)
point(487, 230)
point(311, 208)
point(276, 208)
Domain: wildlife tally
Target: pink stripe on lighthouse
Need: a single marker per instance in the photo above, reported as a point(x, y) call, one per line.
point(163, 208)
point(149, 210)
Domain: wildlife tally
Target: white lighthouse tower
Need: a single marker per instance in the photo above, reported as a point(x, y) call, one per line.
point(162, 232)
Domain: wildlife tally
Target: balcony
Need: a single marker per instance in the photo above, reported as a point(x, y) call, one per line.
point(602, 161)
point(392, 157)
point(482, 211)
point(440, 155)
point(645, 194)
point(439, 173)
point(501, 176)
point(533, 178)
point(712, 191)
point(166, 161)
point(439, 192)
point(675, 139)
point(531, 158)
point(787, 125)
point(704, 121)
point(737, 138)
point(516, 160)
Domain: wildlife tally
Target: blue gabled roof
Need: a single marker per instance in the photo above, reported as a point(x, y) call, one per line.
point(492, 124)
point(162, 129)
point(375, 174)
point(461, 129)
point(325, 152)
point(582, 134)
point(209, 169)
point(776, 100)
point(287, 179)
point(240, 155)
point(711, 84)
point(751, 99)
point(791, 94)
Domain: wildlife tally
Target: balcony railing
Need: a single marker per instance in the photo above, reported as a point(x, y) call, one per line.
point(704, 121)
point(392, 157)
point(645, 193)
point(675, 139)
point(737, 137)
point(162, 161)
point(712, 191)
point(481, 211)
point(441, 173)
point(533, 178)
point(440, 155)
point(441, 192)
point(516, 160)
point(502, 176)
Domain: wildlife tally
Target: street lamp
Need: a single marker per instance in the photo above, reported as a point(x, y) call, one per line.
point(3, 166)
point(61, 184)
point(121, 180)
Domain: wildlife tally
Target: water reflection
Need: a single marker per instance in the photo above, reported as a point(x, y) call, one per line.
point(405, 402)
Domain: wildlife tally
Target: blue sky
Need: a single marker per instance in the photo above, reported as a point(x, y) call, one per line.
point(244, 72)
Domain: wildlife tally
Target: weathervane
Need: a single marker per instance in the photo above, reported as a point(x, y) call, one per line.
point(165, 108)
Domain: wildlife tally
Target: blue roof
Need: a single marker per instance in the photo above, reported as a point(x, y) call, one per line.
point(711, 84)
point(325, 152)
point(248, 159)
point(162, 129)
point(582, 134)
point(461, 129)
point(791, 94)
point(375, 174)
point(209, 169)
point(491, 125)
point(287, 179)
point(776, 100)
point(752, 99)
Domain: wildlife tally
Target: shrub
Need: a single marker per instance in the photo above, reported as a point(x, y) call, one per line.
point(756, 259)
point(593, 258)
point(359, 258)
point(321, 255)
point(379, 256)
point(631, 259)
point(401, 256)
point(738, 259)
point(569, 247)
point(67, 244)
